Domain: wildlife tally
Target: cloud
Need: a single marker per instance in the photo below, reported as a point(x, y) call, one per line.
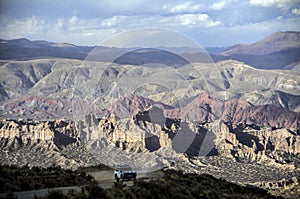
point(190, 20)
point(219, 5)
point(262, 29)
point(296, 11)
point(110, 22)
point(73, 29)
point(186, 7)
point(75, 24)
point(246, 33)
point(194, 19)
point(208, 30)
point(189, 7)
point(13, 28)
point(73, 21)
point(273, 3)
point(89, 22)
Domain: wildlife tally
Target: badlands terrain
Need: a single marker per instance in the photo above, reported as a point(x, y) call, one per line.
point(228, 119)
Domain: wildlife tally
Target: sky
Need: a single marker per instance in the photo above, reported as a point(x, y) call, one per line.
point(213, 23)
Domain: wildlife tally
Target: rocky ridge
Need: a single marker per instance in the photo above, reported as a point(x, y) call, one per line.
point(228, 119)
point(151, 136)
point(276, 51)
point(236, 111)
point(153, 128)
point(63, 79)
point(259, 156)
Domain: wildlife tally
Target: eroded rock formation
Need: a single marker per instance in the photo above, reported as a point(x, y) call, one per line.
point(253, 143)
point(238, 130)
point(58, 131)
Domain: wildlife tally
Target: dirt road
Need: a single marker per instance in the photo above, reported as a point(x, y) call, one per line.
point(105, 179)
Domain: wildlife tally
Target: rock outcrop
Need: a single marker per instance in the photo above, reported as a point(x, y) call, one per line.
point(253, 143)
point(204, 109)
point(137, 125)
point(58, 131)
point(284, 183)
point(205, 126)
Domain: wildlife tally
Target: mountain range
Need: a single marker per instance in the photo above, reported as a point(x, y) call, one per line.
point(274, 52)
point(153, 108)
point(277, 51)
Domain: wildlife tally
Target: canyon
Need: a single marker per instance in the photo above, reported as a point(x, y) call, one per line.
point(228, 119)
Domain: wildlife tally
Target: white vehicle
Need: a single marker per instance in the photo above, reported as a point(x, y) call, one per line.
point(124, 172)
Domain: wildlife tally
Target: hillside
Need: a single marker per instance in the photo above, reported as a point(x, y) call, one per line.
point(274, 52)
point(151, 108)
point(279, 41)
point(24, 49)
point(167, 184)
point(25, 82)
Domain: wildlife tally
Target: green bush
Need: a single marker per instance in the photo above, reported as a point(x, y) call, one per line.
point(171, 184)
point(24, 178)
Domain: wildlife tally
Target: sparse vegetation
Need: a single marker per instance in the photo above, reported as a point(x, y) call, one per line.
point(172, 184)
point(13, 178)
point(175, 184)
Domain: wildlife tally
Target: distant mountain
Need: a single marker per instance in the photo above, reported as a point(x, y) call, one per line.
point(152, 57)
point(274, 52)
point(277, 51)
point(215, 50)
point(279, 41)
point(24, 49)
